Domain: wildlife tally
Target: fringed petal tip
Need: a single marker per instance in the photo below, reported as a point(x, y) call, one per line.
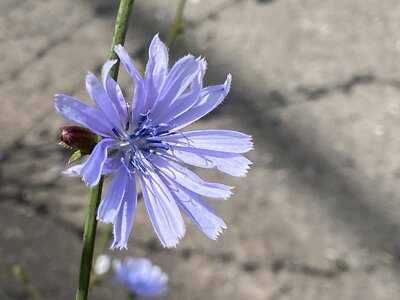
point(168, 243)
point(119, 47)
point(202, 63)
point(244, 172)
point(90, 77)
point(99, 219)
point(215, 235)
point(59, 103)
point(171, 246)
point(228, 192)
point(186, 57)
point(87, 181)
point(123, 56)
point(69, 173)
point(122, 53)
point(117, 246)
point(157, 42)
point(216, 231)
point(90, 82)
point(227, 84)
point(74, 171)
point(58, 98)
point(250, 141)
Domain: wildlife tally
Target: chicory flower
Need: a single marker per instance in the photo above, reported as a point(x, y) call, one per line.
point(140, 276)
point(143, 142)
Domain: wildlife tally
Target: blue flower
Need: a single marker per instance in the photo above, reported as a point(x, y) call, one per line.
point(143, 142)
point(141, 277)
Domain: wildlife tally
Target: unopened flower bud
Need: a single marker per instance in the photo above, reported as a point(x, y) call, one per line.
point(79, 138)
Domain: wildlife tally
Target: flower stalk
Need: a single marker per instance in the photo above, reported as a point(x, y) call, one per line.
point(120, 29)
point(178, 26)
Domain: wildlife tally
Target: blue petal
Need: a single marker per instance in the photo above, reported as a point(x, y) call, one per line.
point(114, 91)
point(92, 169)
point(178, 80)
point(195, 208)
point(140, 276)
point(214, 140)
point(103, 101)
point(157, 65)
point(127, 63)
point(83, 114)
point(110, 204)
point(209, 99)
point(183, 103)
point(163, 210)
point(74, 170)
point(124, 220)
point(190, 180)
point(230, 163)
point(112, 163)
point(140, 92)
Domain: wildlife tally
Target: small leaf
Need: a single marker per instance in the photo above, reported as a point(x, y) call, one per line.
point(75, 156)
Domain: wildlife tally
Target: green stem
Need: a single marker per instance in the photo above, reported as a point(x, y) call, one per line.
point(89, 234)
point(120, 29)
point(178, 26)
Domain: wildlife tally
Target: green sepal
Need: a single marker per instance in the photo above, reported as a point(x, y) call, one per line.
point(75, 156)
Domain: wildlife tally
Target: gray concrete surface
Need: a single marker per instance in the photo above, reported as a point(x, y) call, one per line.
point(317, 83)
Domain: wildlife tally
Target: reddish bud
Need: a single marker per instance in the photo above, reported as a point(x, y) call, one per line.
point(79, 138)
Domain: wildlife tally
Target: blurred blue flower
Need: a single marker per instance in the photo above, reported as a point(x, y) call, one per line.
point(144, 141)
point(140, 276)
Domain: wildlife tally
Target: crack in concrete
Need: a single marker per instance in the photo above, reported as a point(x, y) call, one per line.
point(346, 87)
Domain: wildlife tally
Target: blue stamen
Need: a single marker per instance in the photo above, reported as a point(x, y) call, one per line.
point(118, 134)
point(140, 143)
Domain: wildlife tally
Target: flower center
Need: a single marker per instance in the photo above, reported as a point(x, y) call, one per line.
point(139, 144)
